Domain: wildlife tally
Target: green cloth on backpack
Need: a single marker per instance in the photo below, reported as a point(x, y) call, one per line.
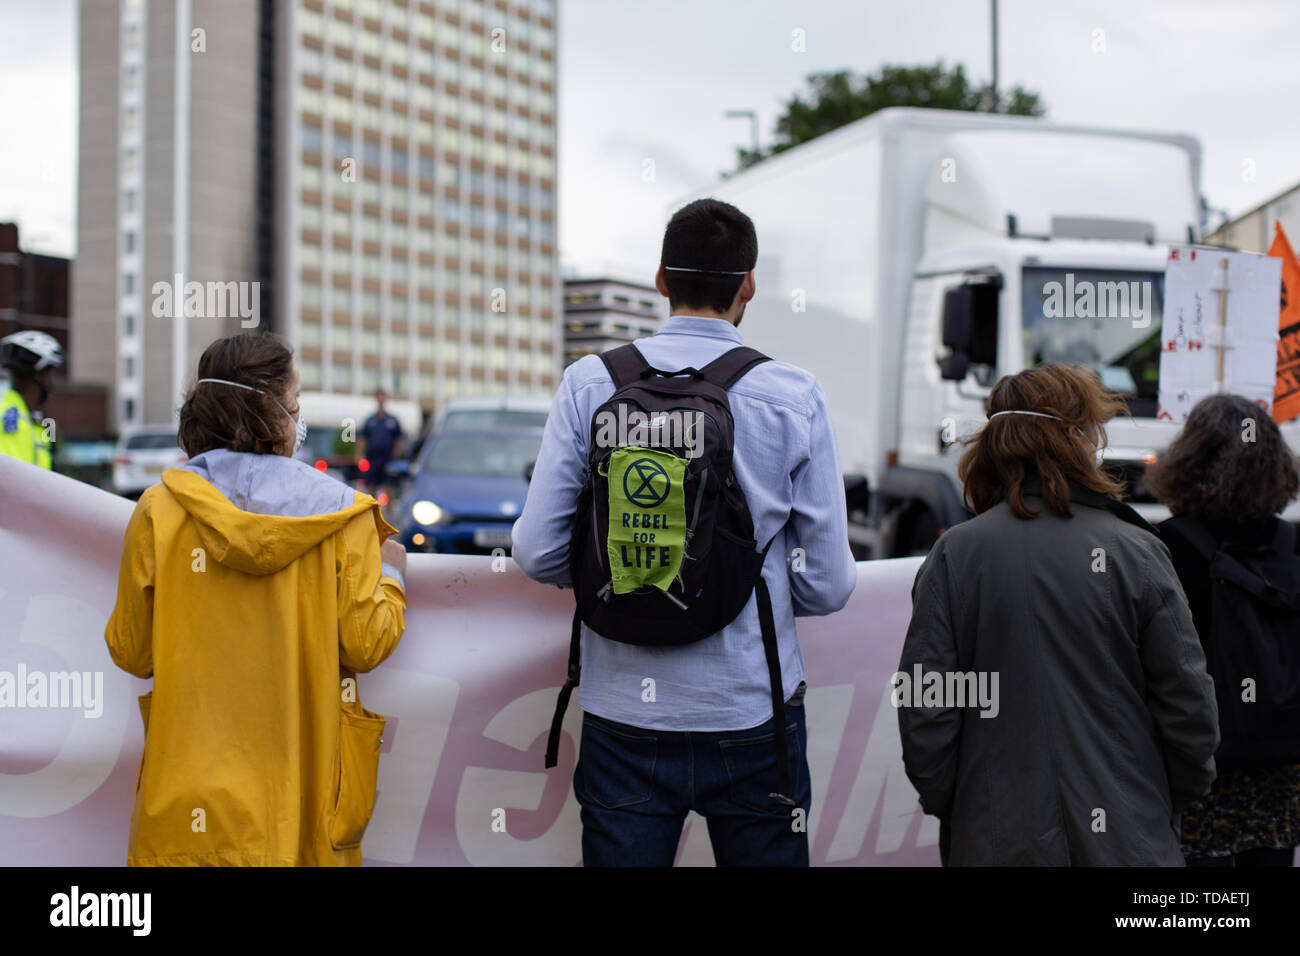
point(647, 518)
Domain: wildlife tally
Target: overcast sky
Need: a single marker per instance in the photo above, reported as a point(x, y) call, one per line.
point(651, 79)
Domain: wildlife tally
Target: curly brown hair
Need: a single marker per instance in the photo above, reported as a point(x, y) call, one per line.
point(1012, 448)
point(1215, 472)
point(222, 416)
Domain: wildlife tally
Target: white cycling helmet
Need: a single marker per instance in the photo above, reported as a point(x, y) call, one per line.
point(30, 352)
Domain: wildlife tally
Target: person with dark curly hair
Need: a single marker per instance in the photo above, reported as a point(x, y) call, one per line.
point(1231, 471)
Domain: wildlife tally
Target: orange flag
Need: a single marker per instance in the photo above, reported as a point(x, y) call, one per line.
point(1286, 394)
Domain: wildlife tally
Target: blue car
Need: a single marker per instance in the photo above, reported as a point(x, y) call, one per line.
point(467, 490)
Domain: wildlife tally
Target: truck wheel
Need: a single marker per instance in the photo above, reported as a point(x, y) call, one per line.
point(917, 533)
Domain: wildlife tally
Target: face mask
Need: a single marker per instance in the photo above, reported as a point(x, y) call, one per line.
point(299, 426)
point(1096, 448)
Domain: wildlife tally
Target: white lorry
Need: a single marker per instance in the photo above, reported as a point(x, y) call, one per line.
point(911, 258)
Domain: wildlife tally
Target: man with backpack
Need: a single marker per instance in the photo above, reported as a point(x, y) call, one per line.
point(689, 490)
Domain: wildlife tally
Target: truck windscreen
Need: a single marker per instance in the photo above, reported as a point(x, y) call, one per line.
point(1105, 319)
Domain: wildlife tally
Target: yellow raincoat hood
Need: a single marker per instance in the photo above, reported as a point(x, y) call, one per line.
point(259, 543)
point(252, 591)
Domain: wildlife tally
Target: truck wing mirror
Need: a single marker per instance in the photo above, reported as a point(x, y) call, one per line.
point(954, 366)
point(970, 327)
point(958, 318)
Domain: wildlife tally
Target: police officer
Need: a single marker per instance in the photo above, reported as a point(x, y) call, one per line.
point(380, 441)
point(30, 358)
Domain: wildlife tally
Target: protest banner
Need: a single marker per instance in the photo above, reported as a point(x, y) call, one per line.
point(469, 695)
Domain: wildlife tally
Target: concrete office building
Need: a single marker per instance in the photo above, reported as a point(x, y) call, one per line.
point(167, 186)
point(601, 314)
point(383, 171)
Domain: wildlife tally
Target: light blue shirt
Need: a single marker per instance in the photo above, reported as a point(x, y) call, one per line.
point(788, 467)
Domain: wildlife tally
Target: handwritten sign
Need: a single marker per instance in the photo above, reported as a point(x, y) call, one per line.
point(1220, 328)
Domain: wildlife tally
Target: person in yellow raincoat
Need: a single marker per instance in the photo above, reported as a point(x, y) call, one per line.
point(253, 589)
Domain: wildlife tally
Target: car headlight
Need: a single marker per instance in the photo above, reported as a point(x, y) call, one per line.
point(426, 512)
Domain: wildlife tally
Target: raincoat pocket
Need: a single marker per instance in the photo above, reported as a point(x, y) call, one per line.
point(146, 702)
point(359, 738)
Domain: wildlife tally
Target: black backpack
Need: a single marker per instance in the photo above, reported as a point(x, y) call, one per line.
point(1255, 634)
point(663, 549)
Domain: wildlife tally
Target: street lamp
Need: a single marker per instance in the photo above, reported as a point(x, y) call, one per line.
point(753, 124)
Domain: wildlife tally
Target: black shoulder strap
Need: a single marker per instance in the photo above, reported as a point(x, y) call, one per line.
point(729, 367)
point(1284, 539)
point(624, 364)
point(572, 681)
point(1195, 534)
point(767, 628)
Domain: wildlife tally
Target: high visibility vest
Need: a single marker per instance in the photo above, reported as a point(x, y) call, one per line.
point(20, 436)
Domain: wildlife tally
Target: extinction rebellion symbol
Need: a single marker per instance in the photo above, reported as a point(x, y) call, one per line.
point(645, 474)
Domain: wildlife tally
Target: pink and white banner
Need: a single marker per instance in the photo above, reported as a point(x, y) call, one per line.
point(468, 694)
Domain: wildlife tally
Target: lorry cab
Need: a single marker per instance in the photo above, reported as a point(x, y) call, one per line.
point(911, 258)
point(1052, 250)
point(1016, 306)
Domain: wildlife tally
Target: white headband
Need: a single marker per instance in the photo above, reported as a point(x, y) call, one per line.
point(223, 381)
point(1035, 414)
point(707, 272)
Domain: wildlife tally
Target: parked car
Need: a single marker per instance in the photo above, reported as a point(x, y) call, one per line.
point(467, 489)
point(501, 412)
point(144, 452)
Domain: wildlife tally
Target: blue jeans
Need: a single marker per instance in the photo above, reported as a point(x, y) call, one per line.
point(636, 786)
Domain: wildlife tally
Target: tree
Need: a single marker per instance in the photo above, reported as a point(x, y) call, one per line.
point(835, 99)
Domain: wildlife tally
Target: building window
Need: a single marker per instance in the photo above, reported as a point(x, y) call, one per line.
point(310, 374)
point(311, 138)
point(128, 283)
point(128, 366)
point(128, 409)
point(128, 324)
point(128, 241)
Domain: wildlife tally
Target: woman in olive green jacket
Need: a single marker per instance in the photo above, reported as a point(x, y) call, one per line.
point(1063, 600)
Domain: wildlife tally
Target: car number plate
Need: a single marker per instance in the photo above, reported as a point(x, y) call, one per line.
point(491, 537)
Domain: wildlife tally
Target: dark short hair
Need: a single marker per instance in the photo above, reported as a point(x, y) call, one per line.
point(1012, 448)
point(223, 416)
point(1211, 471)
point(713, 236)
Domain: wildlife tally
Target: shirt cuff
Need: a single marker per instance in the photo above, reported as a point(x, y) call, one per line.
point(386, 570)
